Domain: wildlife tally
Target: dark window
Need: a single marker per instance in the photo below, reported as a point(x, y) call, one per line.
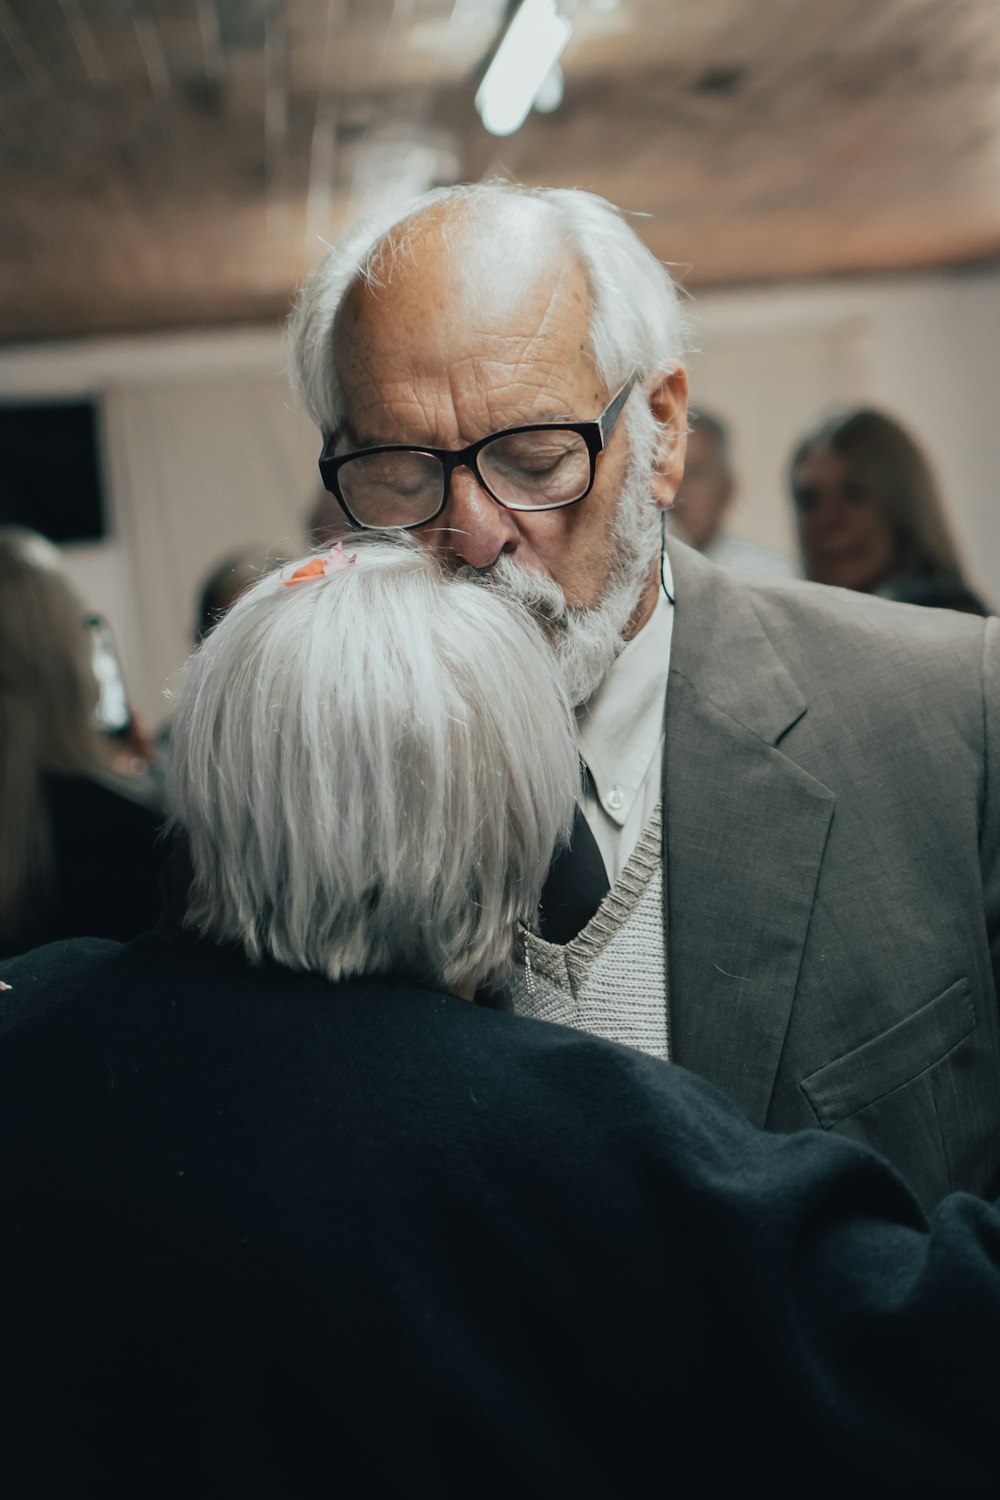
point(50, 471)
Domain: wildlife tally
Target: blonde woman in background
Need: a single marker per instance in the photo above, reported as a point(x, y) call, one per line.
point(78, 840)
point(871, 516)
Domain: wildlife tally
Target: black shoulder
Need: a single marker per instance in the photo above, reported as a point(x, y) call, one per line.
point(49, 977)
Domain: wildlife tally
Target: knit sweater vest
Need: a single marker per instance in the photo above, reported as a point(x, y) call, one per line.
point(611, 979)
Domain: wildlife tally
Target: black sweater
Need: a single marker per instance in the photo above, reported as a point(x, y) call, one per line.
point(265, 1235)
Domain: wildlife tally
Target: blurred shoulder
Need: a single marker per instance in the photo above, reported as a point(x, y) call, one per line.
point(117, 803)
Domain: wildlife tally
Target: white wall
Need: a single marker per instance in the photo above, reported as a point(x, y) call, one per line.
point(205, 453)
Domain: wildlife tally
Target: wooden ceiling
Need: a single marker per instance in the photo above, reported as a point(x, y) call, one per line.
point(177, 163)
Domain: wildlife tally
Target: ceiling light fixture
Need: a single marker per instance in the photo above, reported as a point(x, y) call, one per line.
point(528, 51)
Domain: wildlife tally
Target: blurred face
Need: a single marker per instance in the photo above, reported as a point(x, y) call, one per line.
point(472, 332)
point(705, 490)
point(844, 539)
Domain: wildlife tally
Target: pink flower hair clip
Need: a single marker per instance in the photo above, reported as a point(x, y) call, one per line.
point(317, 567)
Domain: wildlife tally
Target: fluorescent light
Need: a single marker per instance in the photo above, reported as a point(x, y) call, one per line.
point(550, 91)
point(532, 44)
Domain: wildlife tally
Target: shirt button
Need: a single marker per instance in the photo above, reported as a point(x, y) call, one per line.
point(616, 799)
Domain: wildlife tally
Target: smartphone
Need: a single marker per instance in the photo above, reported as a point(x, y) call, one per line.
point(113, 714)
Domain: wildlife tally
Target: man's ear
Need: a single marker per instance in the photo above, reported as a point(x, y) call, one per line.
point(668, 403)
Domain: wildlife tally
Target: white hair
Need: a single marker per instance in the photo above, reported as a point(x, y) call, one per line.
point(373, 768)
point(636, 318)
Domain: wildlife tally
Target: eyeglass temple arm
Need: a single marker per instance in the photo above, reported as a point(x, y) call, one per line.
point(614, 411)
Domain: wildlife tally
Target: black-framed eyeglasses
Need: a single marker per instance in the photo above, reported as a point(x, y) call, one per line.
point(540, 466)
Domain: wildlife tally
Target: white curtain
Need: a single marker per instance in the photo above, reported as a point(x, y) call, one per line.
point(198, 471)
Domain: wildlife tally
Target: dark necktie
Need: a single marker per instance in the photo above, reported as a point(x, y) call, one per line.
point(575, 886)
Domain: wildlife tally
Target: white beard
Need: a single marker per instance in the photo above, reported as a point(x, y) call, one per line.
point(587, 640)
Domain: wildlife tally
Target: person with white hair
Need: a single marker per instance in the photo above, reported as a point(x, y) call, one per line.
point(785, 866)
point(284, 1211)
point(396, 825)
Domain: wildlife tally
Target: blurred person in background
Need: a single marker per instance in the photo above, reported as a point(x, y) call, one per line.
point(78, 836)
point(217, 593)
point(871, 516)
point(282, 1206)
point(231, 577)
point(705, 496)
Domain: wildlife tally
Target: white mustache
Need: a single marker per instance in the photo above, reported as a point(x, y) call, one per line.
point(541, 596)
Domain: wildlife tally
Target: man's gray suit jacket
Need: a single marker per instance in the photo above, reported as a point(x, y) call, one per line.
point(832, 865)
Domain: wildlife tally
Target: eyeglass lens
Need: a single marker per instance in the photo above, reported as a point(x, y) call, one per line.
point(524, 469)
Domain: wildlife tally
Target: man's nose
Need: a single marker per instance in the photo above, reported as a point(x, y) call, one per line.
point(472, 528)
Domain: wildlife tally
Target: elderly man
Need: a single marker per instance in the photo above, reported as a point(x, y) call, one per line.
point(785, 868)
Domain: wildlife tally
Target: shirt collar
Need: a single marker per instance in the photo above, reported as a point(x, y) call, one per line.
point(619, 730)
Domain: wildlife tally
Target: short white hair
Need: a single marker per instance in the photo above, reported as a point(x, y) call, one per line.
point(373, 768)
point(636, 323)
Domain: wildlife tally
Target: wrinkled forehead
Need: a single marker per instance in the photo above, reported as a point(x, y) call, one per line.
point(467, 286)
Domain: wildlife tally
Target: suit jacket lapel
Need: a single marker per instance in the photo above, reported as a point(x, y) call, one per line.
point(744, 833)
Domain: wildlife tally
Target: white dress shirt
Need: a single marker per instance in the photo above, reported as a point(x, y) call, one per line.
point(620, 737)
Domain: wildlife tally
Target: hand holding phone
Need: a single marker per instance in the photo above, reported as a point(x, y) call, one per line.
point(114, 717)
